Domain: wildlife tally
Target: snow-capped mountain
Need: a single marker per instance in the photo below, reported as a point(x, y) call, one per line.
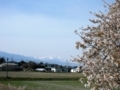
point(50, 59)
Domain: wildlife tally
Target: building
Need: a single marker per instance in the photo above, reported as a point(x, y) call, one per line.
point(56, 69)
point(65, 69)
point(77, 69)
point(48, 67)
point(73, 70)
point(8, 66)
point(41, 69)
point(53, 68)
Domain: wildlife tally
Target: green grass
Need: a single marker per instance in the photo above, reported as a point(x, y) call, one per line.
point(59, 83)
point(48, 85)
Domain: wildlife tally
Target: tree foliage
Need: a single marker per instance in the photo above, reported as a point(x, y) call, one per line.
point(101, 49)
point(32, 65)
point(2, 60)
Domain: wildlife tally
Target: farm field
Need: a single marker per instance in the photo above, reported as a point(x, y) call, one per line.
point(46, 85)
point(41, 75)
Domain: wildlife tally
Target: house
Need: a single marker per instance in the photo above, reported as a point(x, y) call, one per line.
point(65, 69)
point(41, 69)
point(8, 66)
point(48, 67)
point(53, 68)
point(73, 70)
point(77, 69)
point(56, 69)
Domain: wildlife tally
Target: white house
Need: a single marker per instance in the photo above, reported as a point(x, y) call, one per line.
point(41, 69)
point(73, 70)
point(78, 69)
point(48, 67)
point(56, 69)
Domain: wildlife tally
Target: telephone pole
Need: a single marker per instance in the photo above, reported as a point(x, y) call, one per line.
point(7, 69)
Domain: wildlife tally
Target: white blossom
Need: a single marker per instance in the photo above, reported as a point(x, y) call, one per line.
point(101, 50)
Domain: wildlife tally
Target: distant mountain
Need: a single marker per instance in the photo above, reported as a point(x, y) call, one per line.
point(15, 57)
point(51, 60)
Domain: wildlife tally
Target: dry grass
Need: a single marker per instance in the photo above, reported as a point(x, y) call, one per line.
point(41, 75)
point(11, 87)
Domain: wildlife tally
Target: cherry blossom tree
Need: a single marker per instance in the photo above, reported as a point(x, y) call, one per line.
point(101, 49)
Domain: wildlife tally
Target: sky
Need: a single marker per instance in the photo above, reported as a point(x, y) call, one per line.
point(43, 28)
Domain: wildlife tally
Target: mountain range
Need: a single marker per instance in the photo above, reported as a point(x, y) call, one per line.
point(51, 60)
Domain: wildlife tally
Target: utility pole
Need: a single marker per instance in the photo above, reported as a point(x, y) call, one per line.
point(7, 69)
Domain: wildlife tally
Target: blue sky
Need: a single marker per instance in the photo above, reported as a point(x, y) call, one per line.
point(43, 28)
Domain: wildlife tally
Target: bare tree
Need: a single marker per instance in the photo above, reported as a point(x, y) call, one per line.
point(101, 49)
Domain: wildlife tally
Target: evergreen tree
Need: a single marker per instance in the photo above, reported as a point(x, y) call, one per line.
point(2, 60)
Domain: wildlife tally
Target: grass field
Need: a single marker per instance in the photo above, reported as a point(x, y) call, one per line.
point(43, 85)
point(41, 75)
point(47, 85)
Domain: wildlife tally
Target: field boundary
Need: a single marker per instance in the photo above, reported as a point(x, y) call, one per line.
point(34, 79)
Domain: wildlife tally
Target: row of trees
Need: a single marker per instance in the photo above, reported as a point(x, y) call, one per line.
point(24, 65)
point(2, 60)
point(30, 65)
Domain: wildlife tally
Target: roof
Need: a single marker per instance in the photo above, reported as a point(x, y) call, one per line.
point(4, 64)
